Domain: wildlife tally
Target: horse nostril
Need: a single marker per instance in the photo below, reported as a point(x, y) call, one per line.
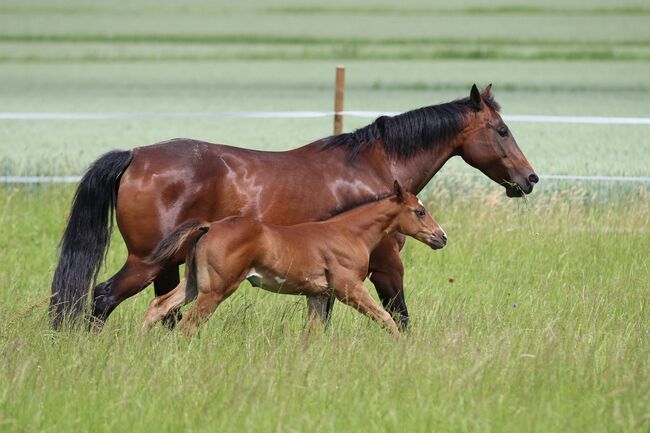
point(444, 236)
point(533, 178)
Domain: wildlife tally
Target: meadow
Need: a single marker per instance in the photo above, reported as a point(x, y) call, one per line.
point(534, 317)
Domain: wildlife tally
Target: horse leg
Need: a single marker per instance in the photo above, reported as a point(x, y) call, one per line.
point(166, 280)
point(134, 276)
point(359, 298)
point(201, 311)
point(318, 310)
point(387, 274)
point(212, 290)
point(160, 307)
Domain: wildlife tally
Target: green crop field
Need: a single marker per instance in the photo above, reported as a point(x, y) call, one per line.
point(535, 317)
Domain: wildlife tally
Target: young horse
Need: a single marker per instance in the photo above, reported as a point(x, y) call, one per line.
point(316, 259)
point(155, 189)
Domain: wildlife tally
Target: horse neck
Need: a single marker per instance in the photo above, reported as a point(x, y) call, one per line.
point(369, 222)
point(421, 167)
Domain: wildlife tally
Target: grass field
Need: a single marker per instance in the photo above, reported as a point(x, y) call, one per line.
point(534, 318)
point(544, 328)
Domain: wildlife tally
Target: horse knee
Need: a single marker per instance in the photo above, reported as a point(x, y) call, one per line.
point(134, 276)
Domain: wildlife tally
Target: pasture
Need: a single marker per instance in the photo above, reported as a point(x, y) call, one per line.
point(534, 317)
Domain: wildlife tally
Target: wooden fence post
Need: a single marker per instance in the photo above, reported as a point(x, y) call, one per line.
point(338, 99)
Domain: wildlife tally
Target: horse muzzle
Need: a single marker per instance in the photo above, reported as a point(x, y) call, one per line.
point(521, 185)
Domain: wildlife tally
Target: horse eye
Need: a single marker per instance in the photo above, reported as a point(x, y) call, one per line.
point(503, 132)
point(420, 213)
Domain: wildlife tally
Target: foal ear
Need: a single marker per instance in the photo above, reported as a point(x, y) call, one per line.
point(399, 192)
point(475, 98)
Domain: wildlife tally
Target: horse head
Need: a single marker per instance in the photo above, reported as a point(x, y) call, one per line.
point(488, 145)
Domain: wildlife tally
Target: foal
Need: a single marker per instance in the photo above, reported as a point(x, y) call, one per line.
point(316, 259)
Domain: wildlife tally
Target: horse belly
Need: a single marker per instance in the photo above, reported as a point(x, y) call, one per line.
point(312, 285)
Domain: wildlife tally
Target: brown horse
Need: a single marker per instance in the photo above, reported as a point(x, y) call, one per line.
point(316, 259)
point(154, 189)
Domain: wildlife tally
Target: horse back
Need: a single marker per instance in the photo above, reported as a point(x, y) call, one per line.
point(175, 181)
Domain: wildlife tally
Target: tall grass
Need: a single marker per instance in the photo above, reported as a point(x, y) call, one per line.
point(534, 318)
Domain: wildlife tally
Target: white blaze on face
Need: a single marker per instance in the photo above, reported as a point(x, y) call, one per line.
point(420, 201)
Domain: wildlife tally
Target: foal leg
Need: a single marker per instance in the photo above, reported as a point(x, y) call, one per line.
point(359, 298)
point(201, 311)
point(160, 307)
point(213, 289)
point(387, 274)
point(165, 282)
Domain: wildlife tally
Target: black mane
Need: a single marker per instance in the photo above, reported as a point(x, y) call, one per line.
point(407, 133)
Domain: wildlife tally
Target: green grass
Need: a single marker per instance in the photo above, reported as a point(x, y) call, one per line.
point(534, 318)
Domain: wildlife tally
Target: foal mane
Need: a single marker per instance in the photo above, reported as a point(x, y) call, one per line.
point(355, 204)
point(408, 133)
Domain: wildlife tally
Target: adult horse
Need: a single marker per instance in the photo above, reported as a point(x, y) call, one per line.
point(154, 189)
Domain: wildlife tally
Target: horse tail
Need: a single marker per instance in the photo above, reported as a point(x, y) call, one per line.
point(169, 247)
point(87, 235)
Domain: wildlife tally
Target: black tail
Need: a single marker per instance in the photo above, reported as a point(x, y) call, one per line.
point(87, 235)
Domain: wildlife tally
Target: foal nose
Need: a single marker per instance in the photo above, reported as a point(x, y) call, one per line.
point(439, 239)
point(533, 178)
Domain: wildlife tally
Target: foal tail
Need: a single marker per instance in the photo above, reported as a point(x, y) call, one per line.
point(191, 232)
point(87, 235)
point(169, 247)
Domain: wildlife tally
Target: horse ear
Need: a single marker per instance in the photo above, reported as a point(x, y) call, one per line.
point(399, 192)
point(487, 92)
point(475, 98)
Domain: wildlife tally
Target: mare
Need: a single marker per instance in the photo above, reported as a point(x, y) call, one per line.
point(321, 259)
point(154, 189)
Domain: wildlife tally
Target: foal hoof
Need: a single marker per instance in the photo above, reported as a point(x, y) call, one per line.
point(171, 320)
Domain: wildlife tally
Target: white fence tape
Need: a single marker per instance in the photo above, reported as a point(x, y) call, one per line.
point(302, 115)
point(40, 179)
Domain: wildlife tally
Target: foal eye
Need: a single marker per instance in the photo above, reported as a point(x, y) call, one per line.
point(420, 213)
point(503, 131)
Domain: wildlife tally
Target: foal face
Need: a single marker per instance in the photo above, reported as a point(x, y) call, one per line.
point(415, 221)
